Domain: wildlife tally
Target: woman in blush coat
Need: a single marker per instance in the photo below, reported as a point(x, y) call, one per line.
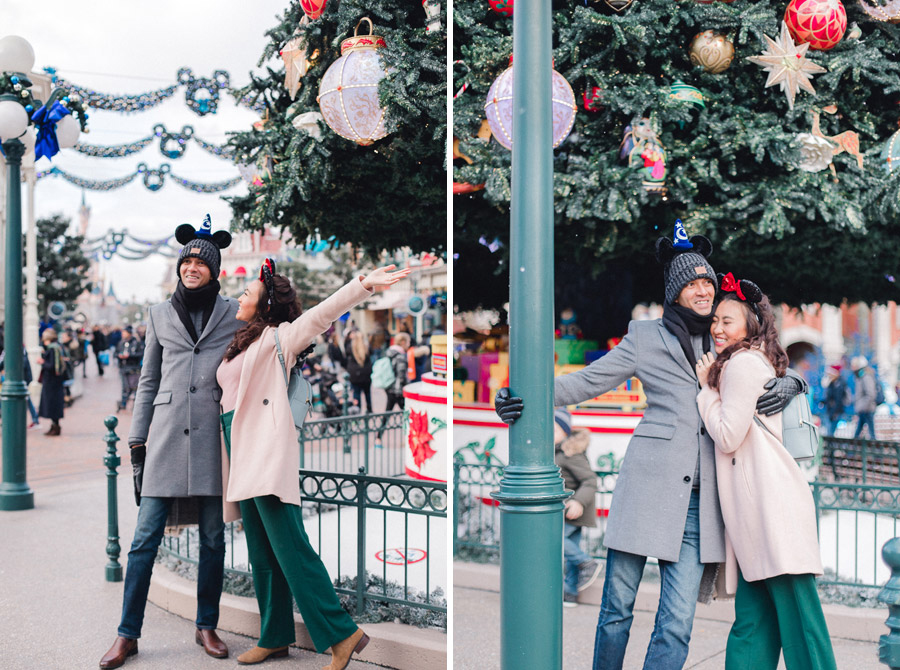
point(260, 470)
point(772, 550)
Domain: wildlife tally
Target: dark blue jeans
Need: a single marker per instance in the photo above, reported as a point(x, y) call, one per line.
point(865, 419)
point(148, 534)
point(573, 556)
point(679, 588)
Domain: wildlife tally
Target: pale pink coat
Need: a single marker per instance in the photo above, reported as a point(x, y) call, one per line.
point(770, 517)
point(265, 456)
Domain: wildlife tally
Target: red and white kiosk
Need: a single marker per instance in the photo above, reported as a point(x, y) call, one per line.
point(425, 433)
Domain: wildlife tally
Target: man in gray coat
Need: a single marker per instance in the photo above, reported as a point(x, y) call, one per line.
point(174, 439)
point(666, 503)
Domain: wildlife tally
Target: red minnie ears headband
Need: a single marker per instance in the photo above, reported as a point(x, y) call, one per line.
point(267, 277)
point(745, 289)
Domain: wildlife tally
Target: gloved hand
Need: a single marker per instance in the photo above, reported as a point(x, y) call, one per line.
point(301, 357)
point(138, 454)
point(508, 407)
point(781, 391)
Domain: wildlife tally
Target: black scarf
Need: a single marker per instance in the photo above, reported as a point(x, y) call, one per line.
point(186, 300)
point(682, 323)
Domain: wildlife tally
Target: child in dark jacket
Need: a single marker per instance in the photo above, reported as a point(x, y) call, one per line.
point(570, 446)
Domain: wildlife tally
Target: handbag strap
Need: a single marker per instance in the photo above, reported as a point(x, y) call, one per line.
point(281, 357)
point(765, 427)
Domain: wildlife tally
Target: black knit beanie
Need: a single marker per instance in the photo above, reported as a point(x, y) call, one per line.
point(203, 244)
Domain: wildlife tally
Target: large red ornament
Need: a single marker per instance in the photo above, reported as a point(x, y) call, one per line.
point(313, 8)
point(821, 23)
point(504, 7)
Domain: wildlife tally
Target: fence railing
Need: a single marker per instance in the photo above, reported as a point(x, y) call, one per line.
point(347, 443)
point(854, 519)
point(383, 538)
point(863, 461)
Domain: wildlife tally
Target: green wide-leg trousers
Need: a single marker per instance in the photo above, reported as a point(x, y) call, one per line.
point(779, 614)
point(284, 563)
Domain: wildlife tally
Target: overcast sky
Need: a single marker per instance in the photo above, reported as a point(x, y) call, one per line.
point(134, 47)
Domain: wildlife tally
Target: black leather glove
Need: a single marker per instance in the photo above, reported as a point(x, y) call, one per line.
point(302, 356)
point(507, 406)
point(138, 454)
point(781, 391)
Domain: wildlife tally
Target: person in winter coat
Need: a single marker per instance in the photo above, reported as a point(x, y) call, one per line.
point(130, 353)
point(175, 437)
point(666, 503)
point(837, 395)
point(864, 402)
point(53, 374)
point(772, 549)
point(359, 368)
point(581, 511)
point(99, 344)
point(261, 463)
point(396, 354)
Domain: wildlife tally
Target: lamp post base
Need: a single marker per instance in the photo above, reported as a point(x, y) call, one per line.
point(15, 497)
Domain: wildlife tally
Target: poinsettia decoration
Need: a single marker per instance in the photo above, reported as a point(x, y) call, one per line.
point(419, 437)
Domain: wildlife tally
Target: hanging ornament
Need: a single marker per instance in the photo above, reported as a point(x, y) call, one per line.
point(890, 153)
point(498, 107)
point(484, 133)
point(616, 5)
point(201, 94)
point(643, 151)
point(787, 65)
point(687, 93)
point(815, 152)
point(296, 64)
point(821, 23)
point(712, 51)
point(348, 93)
point(504, 7)
point(593, 99)
point(313, 8)
point(432, 15)
point(888, 12)
point(309, 122)
point(846, 141)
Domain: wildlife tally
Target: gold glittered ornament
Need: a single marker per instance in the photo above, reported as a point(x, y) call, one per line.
point(712, 51)
point(787, 65)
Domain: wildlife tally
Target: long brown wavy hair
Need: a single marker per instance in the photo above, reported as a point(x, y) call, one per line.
point(285, 307)
point(761, 334)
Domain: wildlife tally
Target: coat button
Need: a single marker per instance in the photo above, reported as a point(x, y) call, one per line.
point(702, 430)
point(196, 350)
point(734, 461)
point(193, 389)
point(186, 431)
point(686, 478)
point(266, 401)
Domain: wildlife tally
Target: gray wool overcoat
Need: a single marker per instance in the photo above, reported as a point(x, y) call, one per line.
point(650, 503)
point(176, 407)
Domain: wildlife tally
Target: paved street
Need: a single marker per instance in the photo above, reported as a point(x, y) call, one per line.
point(476, 628)
point(57, 612)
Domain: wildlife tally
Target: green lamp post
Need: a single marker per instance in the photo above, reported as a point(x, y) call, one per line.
point(531, 492)
point(16, 108)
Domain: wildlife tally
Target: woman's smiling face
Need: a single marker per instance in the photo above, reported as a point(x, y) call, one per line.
point(729, 325)
point(248, 301)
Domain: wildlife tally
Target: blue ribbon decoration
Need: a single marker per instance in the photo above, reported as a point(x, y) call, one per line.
point(45, 119)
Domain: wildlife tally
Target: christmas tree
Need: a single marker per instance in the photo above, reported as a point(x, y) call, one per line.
point(744, 165)
point(310, 180)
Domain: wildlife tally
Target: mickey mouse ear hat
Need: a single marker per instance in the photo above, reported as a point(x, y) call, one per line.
point(684, 260)
point(202, 244)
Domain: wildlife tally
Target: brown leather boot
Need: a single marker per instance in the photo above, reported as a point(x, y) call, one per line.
point(54, 430)
point(211, 643)
point(260, 654)
point(122, 648)
point(343, 650)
